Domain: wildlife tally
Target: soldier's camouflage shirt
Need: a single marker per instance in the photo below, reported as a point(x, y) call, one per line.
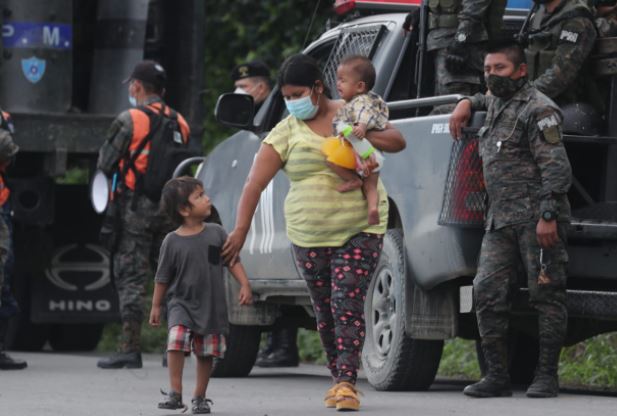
point(559, 44)
point(526, 168)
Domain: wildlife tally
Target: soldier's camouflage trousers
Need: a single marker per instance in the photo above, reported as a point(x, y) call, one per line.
point(504, 253)
point(134, 263)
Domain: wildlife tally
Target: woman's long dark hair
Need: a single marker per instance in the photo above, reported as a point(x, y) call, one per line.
point(301, 70)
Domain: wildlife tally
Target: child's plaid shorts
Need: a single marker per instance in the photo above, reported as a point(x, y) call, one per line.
point(182, 338)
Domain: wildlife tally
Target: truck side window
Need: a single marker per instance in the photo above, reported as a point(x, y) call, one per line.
point(404, 86)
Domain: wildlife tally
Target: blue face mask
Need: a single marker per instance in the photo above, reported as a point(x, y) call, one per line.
point(302, 108)
point(132, 100)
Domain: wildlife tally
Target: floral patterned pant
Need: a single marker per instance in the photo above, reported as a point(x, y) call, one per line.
point(338, 278)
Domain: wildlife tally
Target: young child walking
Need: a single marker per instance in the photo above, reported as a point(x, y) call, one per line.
point(364, 110)
point(190, 278)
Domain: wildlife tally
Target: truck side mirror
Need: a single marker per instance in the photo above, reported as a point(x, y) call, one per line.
point(235, 110)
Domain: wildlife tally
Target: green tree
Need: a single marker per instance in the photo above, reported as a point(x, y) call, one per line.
point(242, 30)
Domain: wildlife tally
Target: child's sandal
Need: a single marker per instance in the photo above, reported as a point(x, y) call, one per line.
point(200, 405)
point(173, 401)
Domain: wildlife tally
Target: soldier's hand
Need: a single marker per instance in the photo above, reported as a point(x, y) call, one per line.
point(546, 233)
point(457, 56)
point(459, 118)
point(232, 247)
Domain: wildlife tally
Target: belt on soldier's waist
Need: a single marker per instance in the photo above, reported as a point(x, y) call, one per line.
point(439, 21)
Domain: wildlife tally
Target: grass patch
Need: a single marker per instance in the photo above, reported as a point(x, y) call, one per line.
point(591, 363)
point(459, 360)
point(309, 347)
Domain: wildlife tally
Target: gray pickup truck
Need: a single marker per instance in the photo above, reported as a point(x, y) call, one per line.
point(421, 292)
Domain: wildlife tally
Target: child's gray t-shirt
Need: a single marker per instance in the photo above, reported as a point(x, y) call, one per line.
point(193, 269)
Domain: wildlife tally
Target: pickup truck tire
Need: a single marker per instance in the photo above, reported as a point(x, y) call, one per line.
point(392, 360)
point(242, 347)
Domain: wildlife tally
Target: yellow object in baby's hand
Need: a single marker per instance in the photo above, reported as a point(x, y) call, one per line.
point(339, 152)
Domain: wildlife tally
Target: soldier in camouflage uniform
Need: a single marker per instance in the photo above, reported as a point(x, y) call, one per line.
point(141, 226)
point(8, 304)
point(527, 176)
point(458, 32)
point(560, 34)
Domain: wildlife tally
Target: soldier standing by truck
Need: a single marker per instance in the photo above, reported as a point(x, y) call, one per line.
point(560, 35)
point(125, 156)
point(8, 304)
point(527, 176)
point(458, 32)
point(281, 350)
point(252, 78)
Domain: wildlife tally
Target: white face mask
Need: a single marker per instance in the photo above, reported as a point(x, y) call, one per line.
point(132, 100)
point(240, 91)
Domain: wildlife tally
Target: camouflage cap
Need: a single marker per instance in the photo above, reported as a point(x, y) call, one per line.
point(8, 148)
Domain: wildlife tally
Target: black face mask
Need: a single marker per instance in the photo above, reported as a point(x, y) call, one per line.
point(504, 87)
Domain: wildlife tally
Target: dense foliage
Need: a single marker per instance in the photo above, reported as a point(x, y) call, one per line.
point(241, 30)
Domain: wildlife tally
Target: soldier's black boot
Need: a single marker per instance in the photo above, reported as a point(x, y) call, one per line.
point(130, 348)
point(266, 350)
point(496, 383)
point(285, 349)
point(546, 382)
point(121, 360)
point(6, 362)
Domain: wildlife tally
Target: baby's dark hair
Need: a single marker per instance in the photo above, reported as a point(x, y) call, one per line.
point(175, 196)
point(363, 68)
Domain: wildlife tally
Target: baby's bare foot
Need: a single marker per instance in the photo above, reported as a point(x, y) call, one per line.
point(351, 185)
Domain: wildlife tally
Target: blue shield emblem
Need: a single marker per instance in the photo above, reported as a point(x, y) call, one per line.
point(33, 69)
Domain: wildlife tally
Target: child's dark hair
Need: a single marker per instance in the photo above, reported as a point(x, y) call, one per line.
point(175, 196)
point(301, 70)
point(363, 68)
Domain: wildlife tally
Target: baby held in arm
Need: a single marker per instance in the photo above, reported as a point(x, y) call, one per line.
point(350, 155)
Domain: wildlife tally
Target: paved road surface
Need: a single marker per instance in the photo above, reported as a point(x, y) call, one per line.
point(71, 385)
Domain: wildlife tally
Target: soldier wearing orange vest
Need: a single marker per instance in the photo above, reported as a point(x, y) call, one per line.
point(141, 226)
point(8, 304)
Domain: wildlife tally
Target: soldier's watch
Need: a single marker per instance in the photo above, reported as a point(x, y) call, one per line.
point(461, 37)
point(549, 215)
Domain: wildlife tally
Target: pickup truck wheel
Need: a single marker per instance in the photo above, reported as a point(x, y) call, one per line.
point(392, 360)
point(242, 346)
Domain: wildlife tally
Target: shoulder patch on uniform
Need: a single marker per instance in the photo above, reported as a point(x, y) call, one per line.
point(552, 135)
point(568, 36)
point(549, 126)
point(547, 122)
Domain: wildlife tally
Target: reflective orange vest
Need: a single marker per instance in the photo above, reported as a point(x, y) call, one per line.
point(5, 192)
point(141, 128)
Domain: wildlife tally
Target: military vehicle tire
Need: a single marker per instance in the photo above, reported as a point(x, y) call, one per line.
point(242, 347)
point(391, 359)
point(75, 337)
